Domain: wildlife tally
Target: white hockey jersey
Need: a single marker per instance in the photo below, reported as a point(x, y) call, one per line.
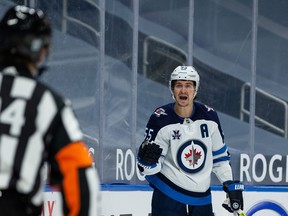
point(193, 148)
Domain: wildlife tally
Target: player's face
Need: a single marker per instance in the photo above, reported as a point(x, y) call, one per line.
point(184, 92)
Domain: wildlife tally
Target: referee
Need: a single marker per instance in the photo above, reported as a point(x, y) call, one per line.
point(37, 126)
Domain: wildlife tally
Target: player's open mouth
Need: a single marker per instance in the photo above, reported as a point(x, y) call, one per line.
point(183, 97)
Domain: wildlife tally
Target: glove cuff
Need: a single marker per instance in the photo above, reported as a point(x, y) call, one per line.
point(233, 186)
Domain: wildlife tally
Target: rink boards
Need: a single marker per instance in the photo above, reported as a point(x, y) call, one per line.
point(134, 200)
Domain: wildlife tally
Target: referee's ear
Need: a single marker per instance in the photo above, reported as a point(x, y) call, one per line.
point(38, 66)
point(43, 54)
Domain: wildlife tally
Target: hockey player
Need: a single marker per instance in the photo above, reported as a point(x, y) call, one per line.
point(38, 126)
point(183, 145)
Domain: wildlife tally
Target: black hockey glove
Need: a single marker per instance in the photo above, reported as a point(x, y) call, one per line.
point(149, 153)
point(234, 201)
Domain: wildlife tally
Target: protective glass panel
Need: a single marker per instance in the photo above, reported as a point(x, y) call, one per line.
point(115, 90)
point(222, 51)
point(73, 67)
point(271, 113)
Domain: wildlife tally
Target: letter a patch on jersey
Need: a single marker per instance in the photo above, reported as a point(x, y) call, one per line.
point(191, 156)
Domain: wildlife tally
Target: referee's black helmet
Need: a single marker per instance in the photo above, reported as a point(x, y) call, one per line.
point(23, 32)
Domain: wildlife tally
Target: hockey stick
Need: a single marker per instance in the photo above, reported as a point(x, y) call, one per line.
point(239, 213)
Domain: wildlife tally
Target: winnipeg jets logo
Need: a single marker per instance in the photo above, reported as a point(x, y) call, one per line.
point(176, 134)
point(159, 112)
point(191, 156)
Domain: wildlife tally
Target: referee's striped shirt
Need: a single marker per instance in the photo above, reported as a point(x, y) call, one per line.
point(37, 125)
